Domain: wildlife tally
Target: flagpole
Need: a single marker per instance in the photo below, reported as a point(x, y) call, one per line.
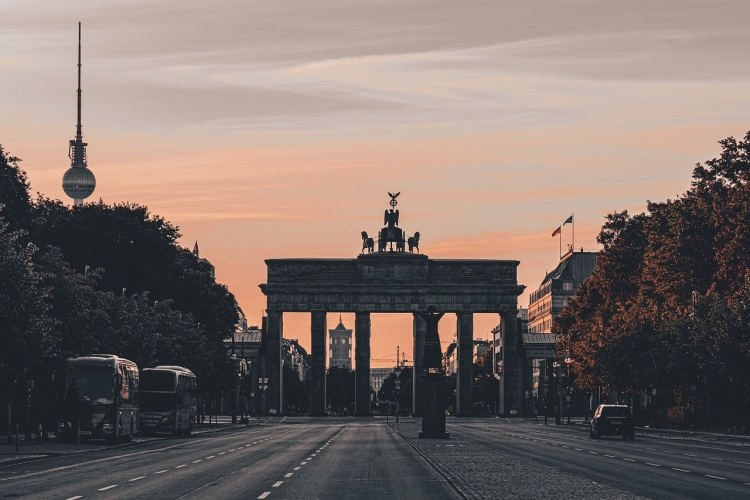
point(573, 248)
point(560, 242)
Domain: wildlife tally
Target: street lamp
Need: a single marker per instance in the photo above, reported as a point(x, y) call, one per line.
point(233, 357)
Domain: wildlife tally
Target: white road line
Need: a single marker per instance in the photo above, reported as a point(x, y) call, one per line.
point(680, 470)
point(689, 455)
point(716, 477)
point(593, 453)
point(744, 463)
point(303, 463)
point(629, 459)
point(651, 449)
point(719, 459)
point(314, 455)
point(564, 446)
point(222, 452)
point(297, 468)
point(233, 449)
point(161, 471)
point(670, 452)
point(212, 456)
point(289, 474)
point(578, 449)
point(74, 498)
point(277, 484)
point(652, 465)
point(196, 461)
point(264, 495)
point(108, 487)
point(610, 456)
point(137, 478)
point(181, 466)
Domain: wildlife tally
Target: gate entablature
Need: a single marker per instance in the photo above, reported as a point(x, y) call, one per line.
point(391, 283)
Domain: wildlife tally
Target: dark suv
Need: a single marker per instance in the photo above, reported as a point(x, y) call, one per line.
point(613, 420)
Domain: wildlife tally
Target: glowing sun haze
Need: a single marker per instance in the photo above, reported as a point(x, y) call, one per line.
point(275, 129)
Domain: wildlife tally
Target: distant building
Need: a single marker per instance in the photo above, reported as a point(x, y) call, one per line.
point(245, 344)
point(377, 376)
point(212, 270)
point(341, 346)
point(450, 361)
point(549, 299)
point(296, 356)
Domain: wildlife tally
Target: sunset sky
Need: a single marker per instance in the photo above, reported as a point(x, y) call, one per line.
point(276, 129)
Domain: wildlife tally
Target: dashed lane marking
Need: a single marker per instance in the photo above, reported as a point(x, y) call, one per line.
point(578, 449)
point(303, 463)
point(196, 461)
point(289, 474)
point(74, 498)
point(716, 477)
point(680, 470)
point(719, 459)
point(161, 471)
point(264, 495)
point(181, 466)
point(744, 463)
point(593, 453)
point(277, 484)
point(137, 478)
point(652, 465)
point(223, 452)
point(314, 455)
point(212, 456)
point(108, 487)
point(629, 459)
point(610, 456)
point(689, 455)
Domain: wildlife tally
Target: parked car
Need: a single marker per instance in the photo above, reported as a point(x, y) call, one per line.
point(612, 420)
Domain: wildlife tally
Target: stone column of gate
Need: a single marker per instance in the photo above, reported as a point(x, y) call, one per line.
point(420, 328)
point(465, 355)
point(274, 334)
point(318, 363)
point(513, 380)
point(362, 355)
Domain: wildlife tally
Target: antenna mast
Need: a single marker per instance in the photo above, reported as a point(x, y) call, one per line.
point(78, 127)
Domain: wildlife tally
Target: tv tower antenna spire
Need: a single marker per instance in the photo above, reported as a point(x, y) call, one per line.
point(78, 182)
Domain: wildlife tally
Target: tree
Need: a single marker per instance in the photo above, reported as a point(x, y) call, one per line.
point(340, 389)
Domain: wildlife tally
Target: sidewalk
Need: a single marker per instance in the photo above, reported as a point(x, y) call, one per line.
point(28, 450)
point(480, 472)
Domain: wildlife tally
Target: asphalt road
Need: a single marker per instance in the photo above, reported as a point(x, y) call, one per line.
point(304, 458)
point(649, 466)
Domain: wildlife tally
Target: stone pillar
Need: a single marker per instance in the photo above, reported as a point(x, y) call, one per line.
point(318, 363)
point(275, 391)
point(511, 374)
point(465, 355)
point(420, 328)
point(362, 355)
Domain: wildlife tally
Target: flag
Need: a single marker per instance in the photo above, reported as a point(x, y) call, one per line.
point(569, 220)
point(557, 231)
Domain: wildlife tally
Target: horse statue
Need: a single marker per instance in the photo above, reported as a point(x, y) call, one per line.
point(367, 243)
point(414, 242)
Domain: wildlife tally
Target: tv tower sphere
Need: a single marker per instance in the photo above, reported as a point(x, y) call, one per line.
point(78, 181)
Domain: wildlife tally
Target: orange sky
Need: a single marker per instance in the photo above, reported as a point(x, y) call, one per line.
point(271, 130)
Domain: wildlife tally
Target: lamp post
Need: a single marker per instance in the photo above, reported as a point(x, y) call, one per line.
point(234, 390)
point(397, 371)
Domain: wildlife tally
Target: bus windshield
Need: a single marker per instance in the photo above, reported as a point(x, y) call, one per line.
point(157, 401)
point(89, 383)
point(156, 380)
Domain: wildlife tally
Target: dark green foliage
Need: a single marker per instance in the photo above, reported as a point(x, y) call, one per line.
point(296, 392)
point(402, 396)
point(340, 387)
point(63, 296)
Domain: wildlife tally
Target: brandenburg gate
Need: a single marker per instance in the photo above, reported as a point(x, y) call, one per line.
point(392, 281)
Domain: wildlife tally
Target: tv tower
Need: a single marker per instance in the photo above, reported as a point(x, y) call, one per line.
point(78, 181)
